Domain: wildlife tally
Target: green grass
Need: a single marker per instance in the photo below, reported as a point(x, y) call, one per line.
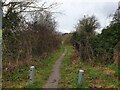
point(20, 79)
point(67, 75)
point(43, 73)
point(116, 69)
point(94, 76)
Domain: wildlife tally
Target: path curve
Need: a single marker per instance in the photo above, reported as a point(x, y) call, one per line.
point(55, 75)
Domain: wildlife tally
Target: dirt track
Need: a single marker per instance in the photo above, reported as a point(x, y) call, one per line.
point(55, 75)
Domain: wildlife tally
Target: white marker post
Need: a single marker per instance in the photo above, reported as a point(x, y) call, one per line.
point(80, 77)
point(32, 69)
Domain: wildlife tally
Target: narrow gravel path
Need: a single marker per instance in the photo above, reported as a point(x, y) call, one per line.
point(55, 75)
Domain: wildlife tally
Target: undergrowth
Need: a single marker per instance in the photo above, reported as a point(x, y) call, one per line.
point(97, 76)
point(20, 77)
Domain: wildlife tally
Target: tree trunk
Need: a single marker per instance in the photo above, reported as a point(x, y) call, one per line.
point(116, 56)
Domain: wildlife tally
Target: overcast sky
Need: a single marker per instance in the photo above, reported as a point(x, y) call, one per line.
point(73, 10)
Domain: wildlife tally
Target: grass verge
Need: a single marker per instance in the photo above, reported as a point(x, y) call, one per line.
point(20, 79)
point(97, 76)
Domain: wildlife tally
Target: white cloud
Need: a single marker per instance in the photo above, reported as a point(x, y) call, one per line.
point(75, 9)
point(63, 30)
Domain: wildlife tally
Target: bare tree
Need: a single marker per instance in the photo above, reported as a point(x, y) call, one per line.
point(23, 40)
point(116, 56)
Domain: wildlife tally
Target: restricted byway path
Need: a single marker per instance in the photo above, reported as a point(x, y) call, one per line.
point(55, 75)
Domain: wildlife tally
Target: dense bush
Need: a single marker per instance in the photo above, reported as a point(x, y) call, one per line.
point(103, 44)
point(22, 39)
point(85, 29)
point(99, 46)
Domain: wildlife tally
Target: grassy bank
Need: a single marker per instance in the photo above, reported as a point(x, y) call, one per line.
point(20, 79)
point(97, 76)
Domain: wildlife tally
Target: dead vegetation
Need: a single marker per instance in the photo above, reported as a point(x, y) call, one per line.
point(116, 56)
point(95, 76)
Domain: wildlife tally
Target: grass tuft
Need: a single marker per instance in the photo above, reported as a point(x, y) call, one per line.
point(98, 76)
point(20, 78)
